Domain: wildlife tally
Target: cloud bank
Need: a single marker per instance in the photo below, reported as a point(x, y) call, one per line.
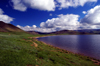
point(22, 5)
point(5, 18)
point(91, 19)
point(73, 3)
point(69, 22)
point(92, 16)
point(47, 5)
point(31, 28)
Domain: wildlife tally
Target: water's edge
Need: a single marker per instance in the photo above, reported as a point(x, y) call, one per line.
point(98, 60)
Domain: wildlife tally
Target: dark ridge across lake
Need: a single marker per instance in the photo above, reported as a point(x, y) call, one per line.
point(88, 45)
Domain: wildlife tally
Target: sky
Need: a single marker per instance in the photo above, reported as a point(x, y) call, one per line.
point(51, 15)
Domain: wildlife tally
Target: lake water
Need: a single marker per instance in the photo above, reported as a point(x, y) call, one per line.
point(88, 45)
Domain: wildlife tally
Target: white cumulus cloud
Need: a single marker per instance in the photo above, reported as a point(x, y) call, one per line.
point(22, 5)
point(69, 21)
point(5, 18)
point(34, 26)
point(18, 5)
point(27, 28)
point(62, 22)
point(88, 26)
point(31, 28)
point(84, 12)
point(48, 5)
point(92, 16)
point(73, 3)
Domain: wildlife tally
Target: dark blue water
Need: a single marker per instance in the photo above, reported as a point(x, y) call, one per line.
point(88, 45)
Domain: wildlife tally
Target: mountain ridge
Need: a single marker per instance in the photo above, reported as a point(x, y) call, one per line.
point(7, 27)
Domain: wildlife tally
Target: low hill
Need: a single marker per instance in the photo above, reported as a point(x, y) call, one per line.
point(73, 32)
point(91, 31)
point(5, 27)
point(33, 32)
point(69, 32)
point(61, 32)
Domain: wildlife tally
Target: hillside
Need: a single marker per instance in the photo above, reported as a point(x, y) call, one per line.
point(25, 50)
point(4, 27)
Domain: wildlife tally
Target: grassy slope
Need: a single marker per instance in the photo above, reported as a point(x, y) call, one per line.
point(18, 50)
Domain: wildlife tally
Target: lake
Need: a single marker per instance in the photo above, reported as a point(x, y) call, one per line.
point(88, 45)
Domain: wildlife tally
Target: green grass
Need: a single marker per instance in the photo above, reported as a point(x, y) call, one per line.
point(16, 49)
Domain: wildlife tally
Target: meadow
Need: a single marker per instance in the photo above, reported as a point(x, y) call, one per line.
point(23, 49)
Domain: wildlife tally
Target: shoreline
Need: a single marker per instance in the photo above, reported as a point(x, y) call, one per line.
point(68, 34)
point(44, 36)
point(96, 61)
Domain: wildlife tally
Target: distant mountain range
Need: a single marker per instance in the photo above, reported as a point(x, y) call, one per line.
point(68, 32)
point(72, 32)
point(91, 31)
point(5, 27)
point(61, 32)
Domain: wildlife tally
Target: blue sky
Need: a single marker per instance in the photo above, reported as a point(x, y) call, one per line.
point(51, 15)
